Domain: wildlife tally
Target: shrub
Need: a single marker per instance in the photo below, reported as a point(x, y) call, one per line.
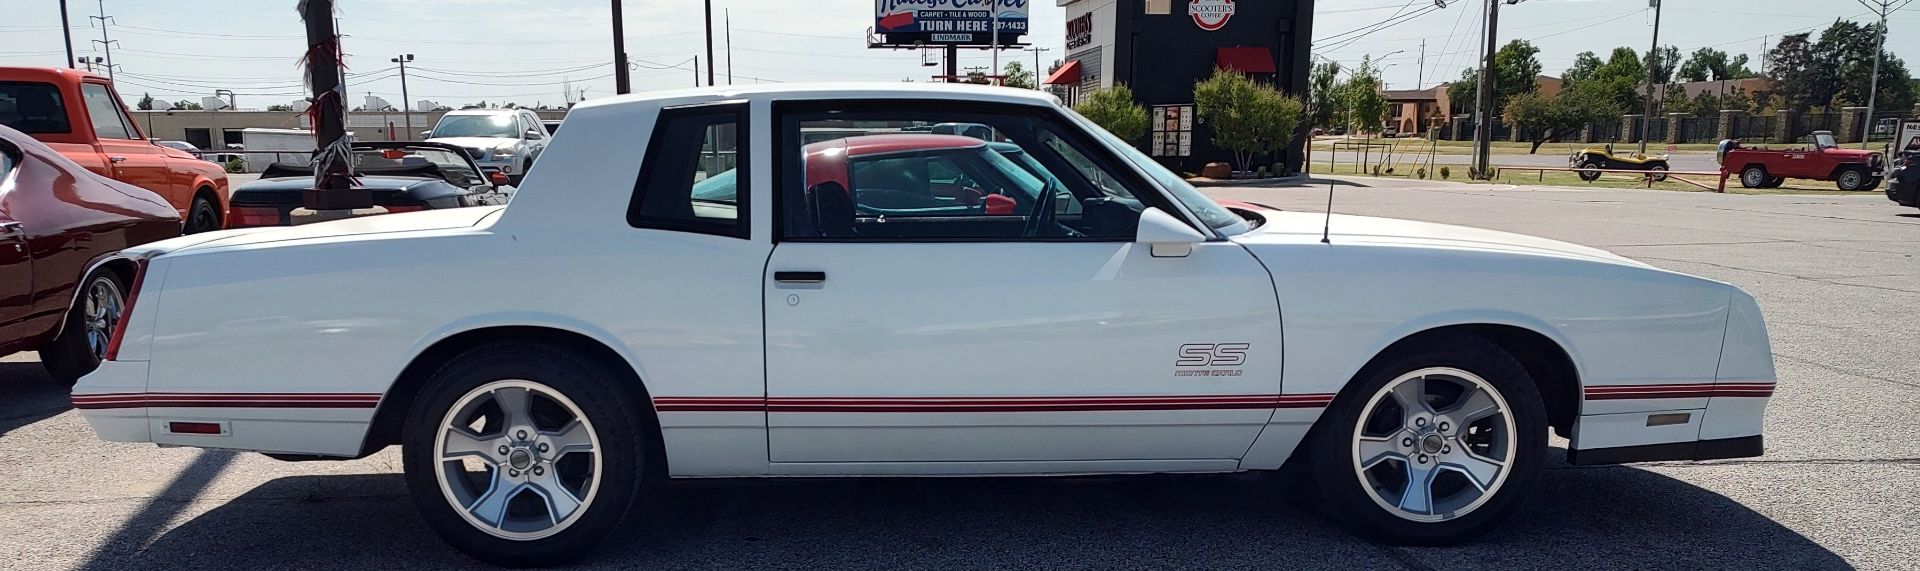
point(1247, 118)
point(1445, 172)
point(1115, 110)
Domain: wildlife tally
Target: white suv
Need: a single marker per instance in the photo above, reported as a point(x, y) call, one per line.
point(499, 140)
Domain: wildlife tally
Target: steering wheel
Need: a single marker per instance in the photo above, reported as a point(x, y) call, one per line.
point(1041, 222)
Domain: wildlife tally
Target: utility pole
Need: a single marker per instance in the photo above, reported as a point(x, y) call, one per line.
point(1652, 58)
point(696, 71)
point(66, 33)
point(620, 83)
point(406, 102)
point(333, 181)
point(103, 41)
point(995, 15)
point(708, 30)
point(1483, 108)
point(1882, 8)
point(1036, 64)
point(1421, 79)
point(728, 15)
point(953, 63)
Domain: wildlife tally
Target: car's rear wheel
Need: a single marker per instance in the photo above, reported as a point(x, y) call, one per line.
point(1754, 176)
point(1872, 183)
point(1852, 178)
point(201, 217)
point(1775, 182)
point(1589, 175)
point(83, 340)
point(1435, 445)
point(523, 455)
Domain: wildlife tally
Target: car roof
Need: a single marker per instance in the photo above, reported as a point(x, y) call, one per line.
point(483, 111)
point(830, 91)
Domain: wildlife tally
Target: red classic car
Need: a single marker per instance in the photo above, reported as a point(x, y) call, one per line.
point(1823, 159)
point(57, 221)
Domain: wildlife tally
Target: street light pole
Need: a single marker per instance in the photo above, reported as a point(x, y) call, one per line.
point(1873, 90)
point(709, 31)
point(406, 102)
point(1652, 58)
point(66, 32)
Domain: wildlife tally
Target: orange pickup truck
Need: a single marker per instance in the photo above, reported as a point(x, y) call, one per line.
point(79, 115)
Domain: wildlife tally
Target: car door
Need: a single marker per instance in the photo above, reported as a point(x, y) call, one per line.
point(134, 160)
point(904, 344)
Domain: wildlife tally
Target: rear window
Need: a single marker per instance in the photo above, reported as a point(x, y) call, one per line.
point(33, 107)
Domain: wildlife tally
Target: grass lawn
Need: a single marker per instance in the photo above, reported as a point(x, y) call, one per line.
point(1570, 179)
point(1503, 147)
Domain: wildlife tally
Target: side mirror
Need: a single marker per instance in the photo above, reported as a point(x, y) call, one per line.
point(498, 178)
point(1167, 236)
point(426, 134)
point(534, 133)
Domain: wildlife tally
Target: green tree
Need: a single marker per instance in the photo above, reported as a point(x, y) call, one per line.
point(1708, 64)
point(1247, 118)
point(1323, 102)
point(1517, 67)
point(146, 102)
point(1673, 101)
point(1115, 110)
point(1017, 76)
point(1541, 118)
point(1662, 61)
point(1360, 98)
point(1584, 67)
point(187, 105)
point(1461, 92)
point(1618, 78)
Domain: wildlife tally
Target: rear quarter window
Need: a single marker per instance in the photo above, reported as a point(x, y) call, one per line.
point(33, 107)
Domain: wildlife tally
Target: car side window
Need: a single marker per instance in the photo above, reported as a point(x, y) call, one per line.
point(689, 181)
point(104, 112)
point(911, 172)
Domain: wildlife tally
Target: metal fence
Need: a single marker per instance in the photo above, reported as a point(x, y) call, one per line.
point(1698, 130)
point(1808, 123)
point(1754, 128)
point(1501, 131)
point(1605, 132)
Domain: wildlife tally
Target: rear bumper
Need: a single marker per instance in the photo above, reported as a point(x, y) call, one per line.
point(1742, 447)
point(113, 423)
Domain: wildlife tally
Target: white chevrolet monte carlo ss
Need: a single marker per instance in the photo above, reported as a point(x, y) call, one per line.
point(807, 281)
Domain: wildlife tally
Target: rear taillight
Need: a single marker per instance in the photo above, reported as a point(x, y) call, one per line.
point(393, 208)
point(126, 315)
point(244, 216)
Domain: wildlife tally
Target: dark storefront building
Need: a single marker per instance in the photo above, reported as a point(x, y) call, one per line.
point(1159, 48)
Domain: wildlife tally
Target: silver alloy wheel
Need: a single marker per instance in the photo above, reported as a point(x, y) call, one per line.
point(100, 313)
point(517, 459)
point(1434, 444)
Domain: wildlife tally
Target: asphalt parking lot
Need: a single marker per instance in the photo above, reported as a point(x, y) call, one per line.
point(1836, 275)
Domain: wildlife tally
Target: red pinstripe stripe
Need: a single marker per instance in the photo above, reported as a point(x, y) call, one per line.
point(1675, 391)
point(988, 404)
point(226, 400)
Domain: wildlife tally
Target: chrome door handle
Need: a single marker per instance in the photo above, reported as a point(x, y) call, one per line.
point(9, 228)
point(117, 159)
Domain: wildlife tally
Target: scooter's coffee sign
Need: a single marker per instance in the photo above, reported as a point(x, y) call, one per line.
point(1210, 15)
point(968, 22)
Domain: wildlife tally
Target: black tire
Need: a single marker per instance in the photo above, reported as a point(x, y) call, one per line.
point(1589, 176)
point(1775, 182)
point(72, 355)
point(1852, 178)
point(1330, 448)
point(1659, 171)
point(201, 217)
point(1754, 176)
point(607, 399)
point(1872, 183)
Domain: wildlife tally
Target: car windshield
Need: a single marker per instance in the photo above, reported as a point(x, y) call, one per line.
point(33, 108)
point(476, 126)
point(1210, 213)
point(453, 166)
point(1824, 140)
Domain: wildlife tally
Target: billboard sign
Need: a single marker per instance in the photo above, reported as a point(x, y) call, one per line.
point(1210, 15)
point(964, 22)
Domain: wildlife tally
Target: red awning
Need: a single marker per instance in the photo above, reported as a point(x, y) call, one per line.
point(1067, 74)
point(1246, 60)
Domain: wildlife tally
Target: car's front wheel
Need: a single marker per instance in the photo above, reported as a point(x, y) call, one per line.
point(201, 217)
point(1659, 172)
point(83, 340)
point(1754, 176)
point(1589, 175)
point(1852, 178)
point(1435, 444)
point(523, 455)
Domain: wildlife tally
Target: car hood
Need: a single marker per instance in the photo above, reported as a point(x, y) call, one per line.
point(1298, 227)
point(475, 142)
point(425, 220)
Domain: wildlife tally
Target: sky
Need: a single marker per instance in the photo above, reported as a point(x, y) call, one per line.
point(524, 50)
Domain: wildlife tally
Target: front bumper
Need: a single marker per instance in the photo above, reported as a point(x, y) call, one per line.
point(1904, 192)
point(491, 165)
